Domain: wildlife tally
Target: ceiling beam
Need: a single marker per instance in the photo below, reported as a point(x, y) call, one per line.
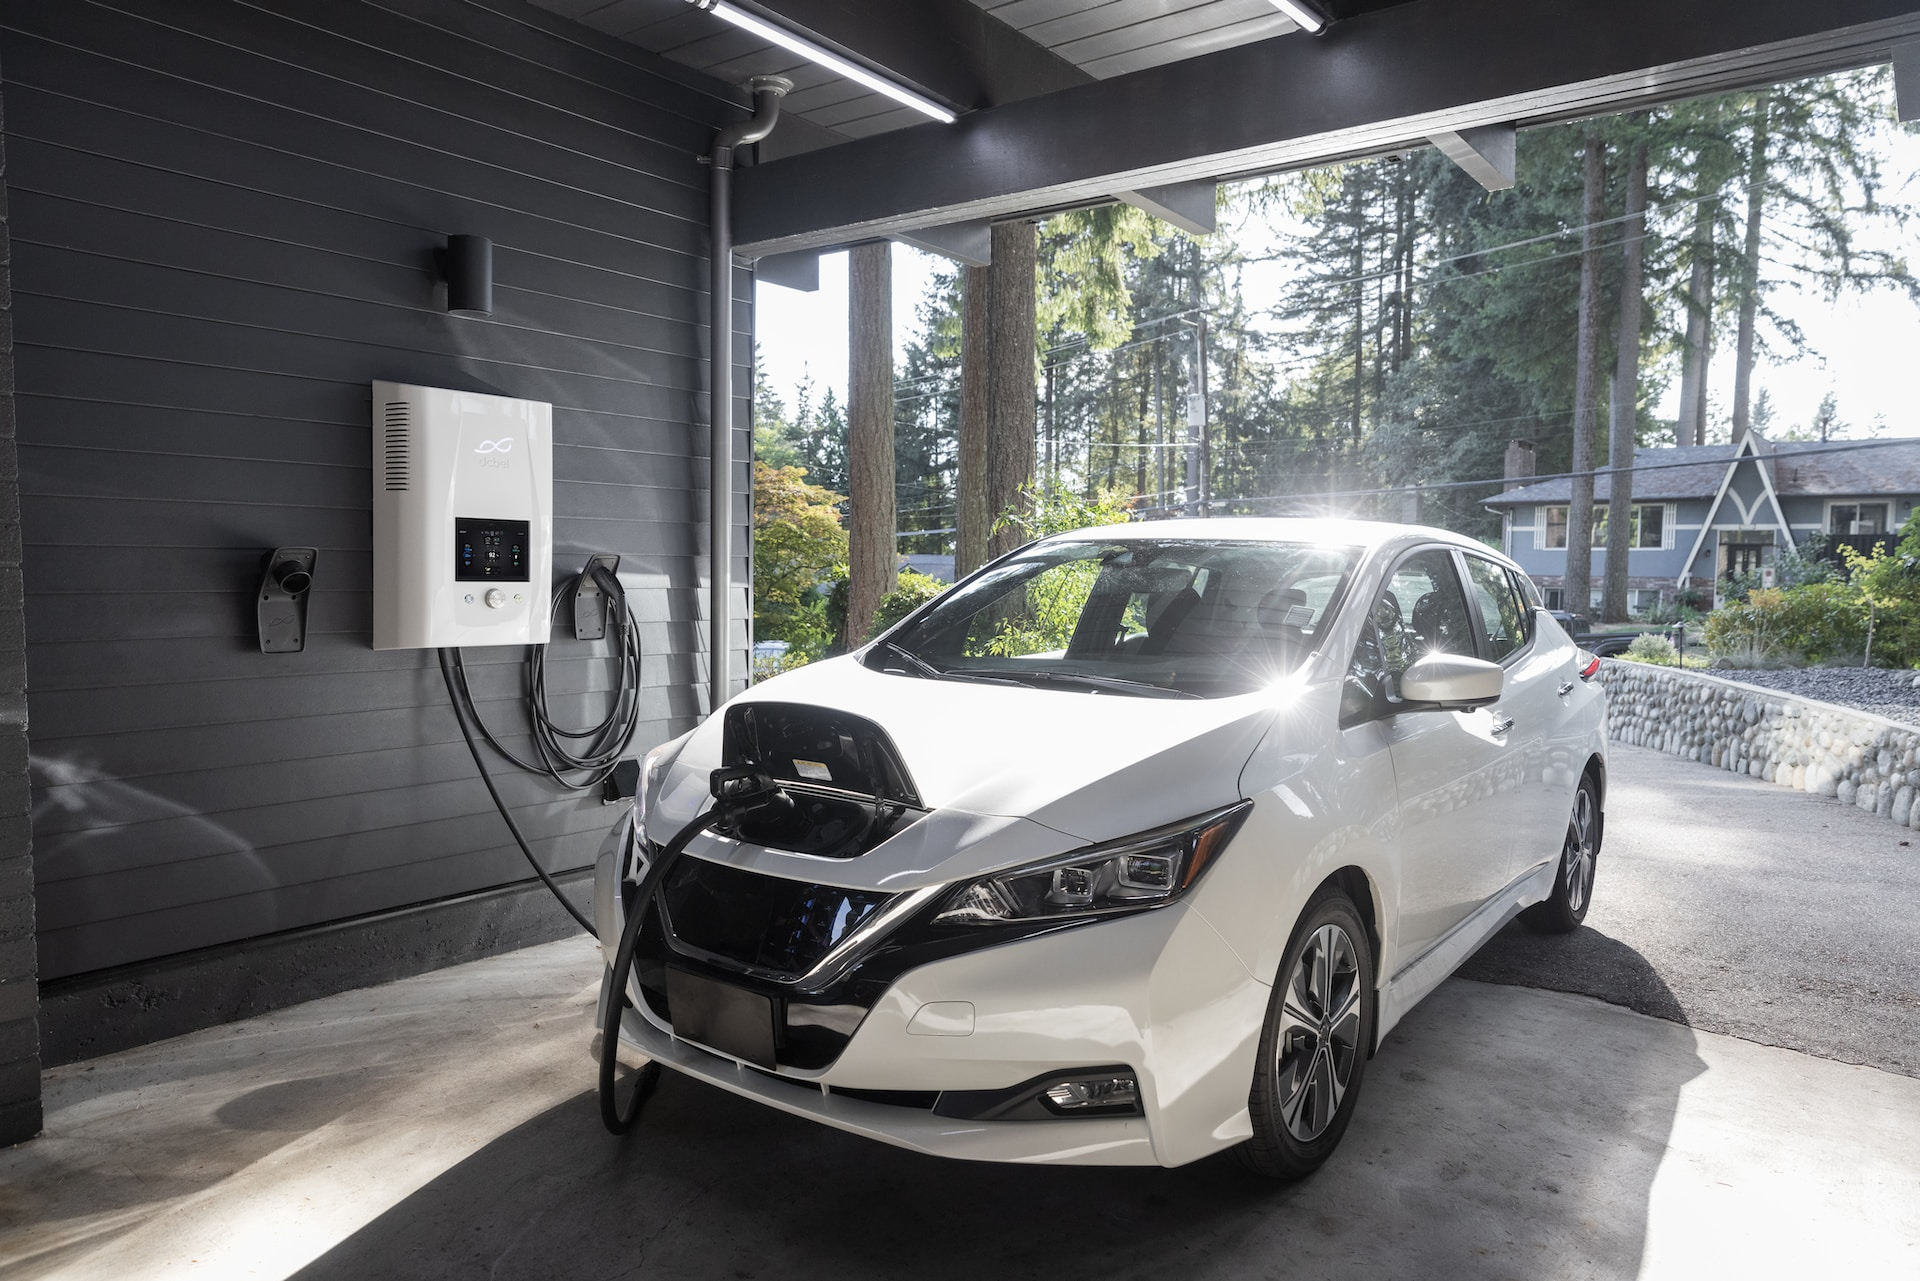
point(967, 243)
point(1487, 154)
point(1378, 82)
point(1906, 81)
point(1190, 206)
point(794, 271)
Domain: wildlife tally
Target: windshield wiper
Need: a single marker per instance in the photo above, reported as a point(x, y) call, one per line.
point(1118, 684)
point(921, 667)
point(918, 665)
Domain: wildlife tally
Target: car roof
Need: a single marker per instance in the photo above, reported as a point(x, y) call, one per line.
point(1367, 534)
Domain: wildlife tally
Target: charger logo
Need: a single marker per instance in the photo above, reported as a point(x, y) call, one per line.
point(502, 446)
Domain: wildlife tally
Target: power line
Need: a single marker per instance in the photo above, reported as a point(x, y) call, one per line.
point(1427, 486)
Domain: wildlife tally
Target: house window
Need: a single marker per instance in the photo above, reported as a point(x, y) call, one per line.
point(1555, 534)
point(1554, 597)
point(1649, 526)
point(1857, 518)
point(1643, 600)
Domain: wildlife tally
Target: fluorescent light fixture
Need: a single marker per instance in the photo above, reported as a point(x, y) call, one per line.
point(1304, 15)
point(826, 58)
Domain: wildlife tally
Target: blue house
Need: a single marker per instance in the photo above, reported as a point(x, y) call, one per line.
point(1702, 513)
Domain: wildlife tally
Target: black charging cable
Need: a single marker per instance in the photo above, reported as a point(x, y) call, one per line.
point(736, 793)
point(595, 749)
point(486, 776)
point(605, 742)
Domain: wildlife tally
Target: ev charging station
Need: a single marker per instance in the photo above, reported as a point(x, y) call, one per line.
point(462, 518)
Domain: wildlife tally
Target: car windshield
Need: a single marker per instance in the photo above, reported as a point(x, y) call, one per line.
point(1166, 618)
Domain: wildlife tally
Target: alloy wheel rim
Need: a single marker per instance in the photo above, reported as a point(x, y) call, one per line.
point(1319, 1041)
point(1579, 851)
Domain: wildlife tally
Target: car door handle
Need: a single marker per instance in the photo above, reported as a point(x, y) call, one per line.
point(1566, 688)
point(1501, 723)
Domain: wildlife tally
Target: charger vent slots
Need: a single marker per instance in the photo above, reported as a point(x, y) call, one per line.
point(397, 452)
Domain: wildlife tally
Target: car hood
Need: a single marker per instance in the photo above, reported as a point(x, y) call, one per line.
point(1011, 773)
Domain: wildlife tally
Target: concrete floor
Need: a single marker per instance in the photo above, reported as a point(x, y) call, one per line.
point(445, 1126)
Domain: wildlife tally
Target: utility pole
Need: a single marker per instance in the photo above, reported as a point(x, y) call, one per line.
point(1051, 472)
point(1159, 434)
point(1206, 434)
point(1197, 496)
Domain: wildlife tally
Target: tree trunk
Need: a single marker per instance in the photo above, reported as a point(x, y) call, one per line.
point(975, 518)
point(1757, 163)
point(1586, 382)
point(1626, 389)
point(1692, 426)
point(1010, 382)
point(872, 551)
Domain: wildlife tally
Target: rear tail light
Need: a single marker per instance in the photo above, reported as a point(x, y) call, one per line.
point(1590, 666)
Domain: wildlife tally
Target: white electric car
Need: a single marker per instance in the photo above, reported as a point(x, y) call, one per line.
point(1128, 849)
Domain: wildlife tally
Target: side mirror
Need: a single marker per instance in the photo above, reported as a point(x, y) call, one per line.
point(1452, 680)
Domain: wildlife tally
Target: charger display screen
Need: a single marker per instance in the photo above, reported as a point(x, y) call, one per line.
point(490, 551)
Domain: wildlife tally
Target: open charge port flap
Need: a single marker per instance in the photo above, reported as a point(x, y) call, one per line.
point(848, 787)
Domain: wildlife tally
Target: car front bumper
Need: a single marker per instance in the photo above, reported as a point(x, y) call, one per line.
point(1159, 992)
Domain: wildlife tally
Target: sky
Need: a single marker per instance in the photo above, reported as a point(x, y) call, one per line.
point(1864, 349)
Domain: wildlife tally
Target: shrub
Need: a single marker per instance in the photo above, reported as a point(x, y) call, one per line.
point(914, 590)
point(1652, 647)
point(765, 669)
point(1812, 623)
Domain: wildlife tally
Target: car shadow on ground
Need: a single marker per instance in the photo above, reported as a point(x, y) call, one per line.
point(1501, 1133)
point(1585, 962)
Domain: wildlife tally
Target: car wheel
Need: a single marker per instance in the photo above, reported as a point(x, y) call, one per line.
point(1313, 1050)
point(1566, 907)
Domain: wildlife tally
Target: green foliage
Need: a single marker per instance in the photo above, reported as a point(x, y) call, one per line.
point(765, 669)
point(1084, 261)
point(797, 542)
point(1792, 567)
point(1652, 647)
point(1887, 586)
point(912, 591)
point(1812, 624)
point(1870, 616)
point(1045, 620)
point(1053, 509)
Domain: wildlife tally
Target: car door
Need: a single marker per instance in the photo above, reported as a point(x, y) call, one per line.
point(1528, 706)
point(1543, 668)
point(1454, 851)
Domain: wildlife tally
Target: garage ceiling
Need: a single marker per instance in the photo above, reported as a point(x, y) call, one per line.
point(1065, 102)
point(1066, 42)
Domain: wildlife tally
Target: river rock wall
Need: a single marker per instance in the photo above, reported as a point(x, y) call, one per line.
point(1857, 758)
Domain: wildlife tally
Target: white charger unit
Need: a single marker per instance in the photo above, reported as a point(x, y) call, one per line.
point(462, 518)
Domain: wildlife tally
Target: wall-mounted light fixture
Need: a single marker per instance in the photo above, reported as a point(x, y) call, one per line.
point(822, 56)
point(1304, 14)
point(469, 264)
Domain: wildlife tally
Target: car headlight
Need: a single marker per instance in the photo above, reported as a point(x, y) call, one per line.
point(1139, 872)
point(652, 766)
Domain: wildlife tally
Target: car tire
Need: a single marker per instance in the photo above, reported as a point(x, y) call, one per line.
point(1313, 1049)
point(1566, 907)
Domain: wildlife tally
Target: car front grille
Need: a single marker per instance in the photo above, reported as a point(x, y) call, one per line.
point(766, 924)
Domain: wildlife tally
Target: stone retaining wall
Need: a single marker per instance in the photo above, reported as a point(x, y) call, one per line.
point(1818, 748)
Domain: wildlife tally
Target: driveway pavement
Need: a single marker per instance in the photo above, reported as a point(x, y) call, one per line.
point(1736, 906)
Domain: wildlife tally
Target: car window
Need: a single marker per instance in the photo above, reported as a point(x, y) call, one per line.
point(1501, 612)
point(1420, 611)
point(1176, 616)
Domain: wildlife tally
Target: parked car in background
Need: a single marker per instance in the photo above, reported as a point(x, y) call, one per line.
point(1128, 849)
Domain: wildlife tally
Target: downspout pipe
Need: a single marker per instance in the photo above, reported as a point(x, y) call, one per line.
point(767, 92)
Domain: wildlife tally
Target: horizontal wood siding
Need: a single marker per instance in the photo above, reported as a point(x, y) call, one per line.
point(225, 218)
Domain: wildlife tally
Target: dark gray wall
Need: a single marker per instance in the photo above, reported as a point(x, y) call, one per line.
point(224, 222)
point(19, 1006)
